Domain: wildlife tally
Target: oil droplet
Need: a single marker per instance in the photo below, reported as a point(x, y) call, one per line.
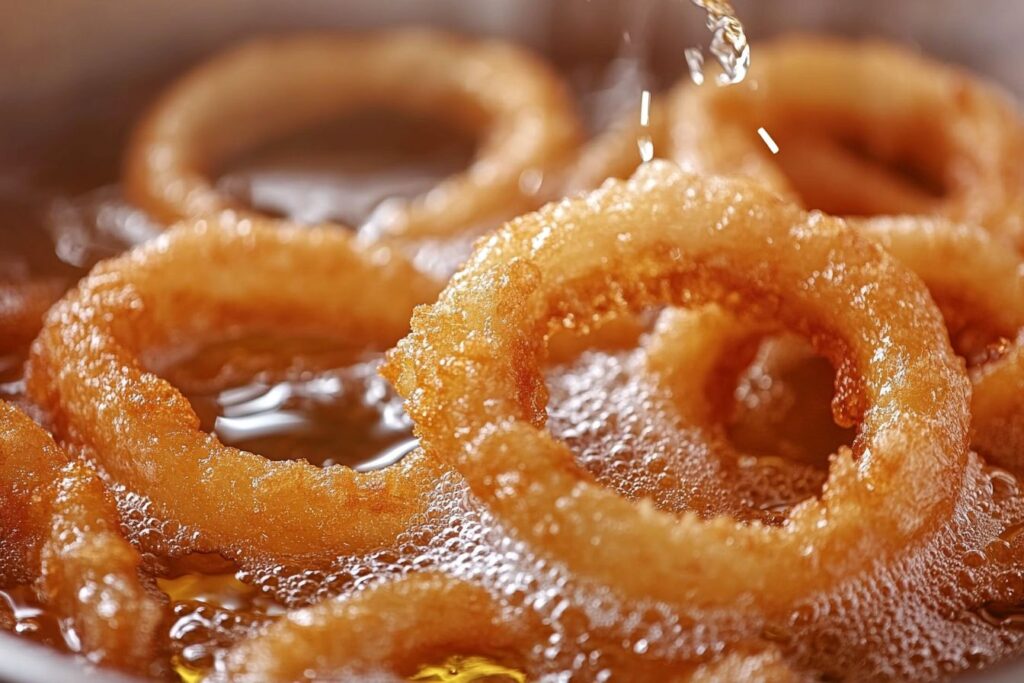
point(769, 141)
point(966, 579)
point(1004, 484)
point(999, 551)
point(645, 142)
point(974, 558)
point(695, 64)
point(1010, 585)
point(459, 669)
point(1011, 532)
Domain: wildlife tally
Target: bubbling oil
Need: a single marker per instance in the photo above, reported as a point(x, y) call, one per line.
point(209, 612)
point(956, 596)
point(945, 605)
point(626, 431)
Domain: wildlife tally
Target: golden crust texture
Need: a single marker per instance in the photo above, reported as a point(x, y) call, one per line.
point(470, 373)
point(199, 281)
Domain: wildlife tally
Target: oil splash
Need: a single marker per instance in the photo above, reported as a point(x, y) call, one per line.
point(729, 44)
point(730, 49)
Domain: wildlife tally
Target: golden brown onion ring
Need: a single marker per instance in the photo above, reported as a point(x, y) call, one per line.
point(390, 631)
point(59, 528)
point(979, 282)
point(974, 277)
point(470, 371)
point(201, 281)
point(976, 280)
point(394, 628)
point(272, 87)
point(959, 134)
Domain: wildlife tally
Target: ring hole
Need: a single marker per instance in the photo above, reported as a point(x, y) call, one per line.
point(766, 449)
point(344, 169)
point(860, 170)
point(782, 405)
point(603, 407)
point(296, 399)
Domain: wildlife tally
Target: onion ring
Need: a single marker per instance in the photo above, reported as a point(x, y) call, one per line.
point(210, 278)
point(962, 133)
point(57, 524)
point(470, 373)
point(393, 628)
point(977, 280)
point(515, 102)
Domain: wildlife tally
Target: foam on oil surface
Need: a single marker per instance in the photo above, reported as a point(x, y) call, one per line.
point(954, 601)
point(626, 432)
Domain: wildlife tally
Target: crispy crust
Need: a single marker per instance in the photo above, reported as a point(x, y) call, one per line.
point(470, 373)
point(268, 88)
point(199, 281)
point(61, 529)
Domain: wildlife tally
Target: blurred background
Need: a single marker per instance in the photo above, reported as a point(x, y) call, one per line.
point(75, 75)
point(58, 57)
